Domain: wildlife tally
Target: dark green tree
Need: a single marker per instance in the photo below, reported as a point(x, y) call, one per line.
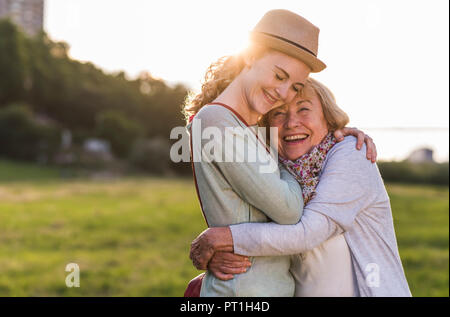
point(80, 96)
point(23, 137)
point(120, 131)
point(13, 63)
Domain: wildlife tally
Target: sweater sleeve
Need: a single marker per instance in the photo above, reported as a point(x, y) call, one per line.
point(271, 239)
point(257, 181)
point(266, 191)
point(348, 185)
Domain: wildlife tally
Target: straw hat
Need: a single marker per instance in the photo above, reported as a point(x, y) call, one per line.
point(291, 34)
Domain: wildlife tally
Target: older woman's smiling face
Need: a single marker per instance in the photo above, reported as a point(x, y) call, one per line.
point(301, 125)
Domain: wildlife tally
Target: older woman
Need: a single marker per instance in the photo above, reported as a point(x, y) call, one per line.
point(344, 244)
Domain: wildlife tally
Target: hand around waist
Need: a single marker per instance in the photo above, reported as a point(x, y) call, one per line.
point(213, 250)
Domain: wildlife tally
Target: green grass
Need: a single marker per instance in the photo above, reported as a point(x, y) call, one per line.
point(14, 171)
point(421, 217)
point(131, 237)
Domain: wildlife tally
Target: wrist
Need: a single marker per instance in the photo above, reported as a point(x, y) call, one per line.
point(220, 239)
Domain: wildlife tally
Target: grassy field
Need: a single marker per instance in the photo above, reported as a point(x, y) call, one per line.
point(131, 237)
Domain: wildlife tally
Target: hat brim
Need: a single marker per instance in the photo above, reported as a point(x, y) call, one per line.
point(309, 59)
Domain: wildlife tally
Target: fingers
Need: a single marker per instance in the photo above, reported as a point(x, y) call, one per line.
point(199, 255)
point(231, 257)
point(225, 272)
point(235, 264)
point(375, 154)
point(361, 137)
point(228, 270)
point(224, 265)
point(338, 134)
point(230, 260)
point(222, 276)
point(198, 262)
point(369, 147)
point(373, 150)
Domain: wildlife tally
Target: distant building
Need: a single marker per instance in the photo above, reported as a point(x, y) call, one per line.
point(27, 14)
point(98, 148)
point(423, 155)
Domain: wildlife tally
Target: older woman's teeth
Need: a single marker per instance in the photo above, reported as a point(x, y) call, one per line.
point(295, 137)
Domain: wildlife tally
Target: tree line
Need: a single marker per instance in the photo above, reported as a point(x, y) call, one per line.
point(39, 80)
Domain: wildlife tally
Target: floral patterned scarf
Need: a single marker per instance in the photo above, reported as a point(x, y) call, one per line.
point(306, 168)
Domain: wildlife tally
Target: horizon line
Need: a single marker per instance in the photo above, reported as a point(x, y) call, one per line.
point(406, 128)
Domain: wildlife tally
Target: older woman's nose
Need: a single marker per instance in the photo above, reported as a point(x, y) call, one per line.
point(291, 122)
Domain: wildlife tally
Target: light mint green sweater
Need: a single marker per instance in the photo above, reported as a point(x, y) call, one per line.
point(238, 192)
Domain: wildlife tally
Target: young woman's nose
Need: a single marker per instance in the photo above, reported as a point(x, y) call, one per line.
point(285, 92)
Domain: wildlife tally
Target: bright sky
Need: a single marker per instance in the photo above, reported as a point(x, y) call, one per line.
point(388, 60)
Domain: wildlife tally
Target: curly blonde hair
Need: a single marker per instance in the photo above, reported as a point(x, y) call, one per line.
point(218, 76)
